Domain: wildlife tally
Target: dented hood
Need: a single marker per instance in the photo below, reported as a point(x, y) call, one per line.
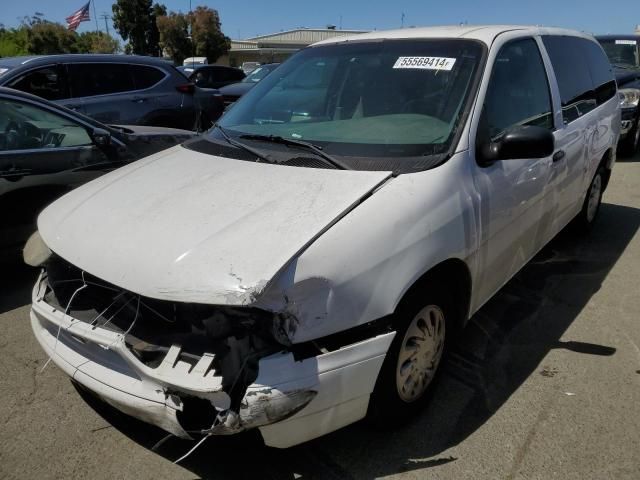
point(187, 226)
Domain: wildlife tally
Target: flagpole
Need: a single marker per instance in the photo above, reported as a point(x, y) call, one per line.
point(94, 14)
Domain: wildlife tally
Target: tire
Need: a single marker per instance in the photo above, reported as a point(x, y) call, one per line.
point(591, 206)
point(629, 146)
point(396, 398)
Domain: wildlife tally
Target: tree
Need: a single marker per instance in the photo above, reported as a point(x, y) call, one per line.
point(47, 38)
point(174, 36)
point(97, 42)
point(208, 39)
point(13, 42)
point(135, 20)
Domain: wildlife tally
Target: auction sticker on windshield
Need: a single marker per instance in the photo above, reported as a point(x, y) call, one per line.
point(426, 63)
point(625, 42)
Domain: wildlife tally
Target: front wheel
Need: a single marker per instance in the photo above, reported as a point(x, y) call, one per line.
point(408, 374)
point(629, 146)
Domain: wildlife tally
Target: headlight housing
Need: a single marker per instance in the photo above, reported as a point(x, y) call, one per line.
point(629, 97)
point(36, 252)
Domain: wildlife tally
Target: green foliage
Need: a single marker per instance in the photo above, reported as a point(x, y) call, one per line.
point(46, 38)
point(207, 37)
point(207, 34)
point(97, 42)
point(37, 36)
point(135, 20)
point(174, 39)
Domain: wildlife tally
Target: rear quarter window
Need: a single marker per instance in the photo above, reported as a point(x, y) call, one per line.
point(145, 76)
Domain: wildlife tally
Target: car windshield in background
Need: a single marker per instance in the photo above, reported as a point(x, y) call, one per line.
point(393, 98)
point(258, 74)
point(621, 52)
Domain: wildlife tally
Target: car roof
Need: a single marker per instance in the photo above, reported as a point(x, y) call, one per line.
point(56, 106)
point(80, 58)
point(483, 33)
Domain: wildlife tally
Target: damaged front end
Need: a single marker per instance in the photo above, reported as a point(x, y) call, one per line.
point(199, 359)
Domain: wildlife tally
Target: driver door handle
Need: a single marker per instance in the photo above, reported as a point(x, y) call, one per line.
point(559, 155)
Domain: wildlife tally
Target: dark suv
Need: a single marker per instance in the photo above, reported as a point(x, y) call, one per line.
point(212, 76)
point(121, 89)
point(624, 55)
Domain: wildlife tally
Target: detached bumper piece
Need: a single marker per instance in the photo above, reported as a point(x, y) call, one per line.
point(195, 370)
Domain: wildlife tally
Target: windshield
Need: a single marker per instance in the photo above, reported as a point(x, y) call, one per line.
point(621, 52)
point(258, 74)
point(394, 98)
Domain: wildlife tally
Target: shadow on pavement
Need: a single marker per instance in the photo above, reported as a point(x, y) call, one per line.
point(16, 282)
point(501, 347)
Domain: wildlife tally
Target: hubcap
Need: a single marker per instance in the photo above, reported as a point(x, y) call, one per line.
point(420, 353)
point(594, 197)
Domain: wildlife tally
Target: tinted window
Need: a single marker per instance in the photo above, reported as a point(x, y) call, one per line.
point(601, 72)
point(583, 74)
point(24, 127)
point(146, 77)
point(518, 92)
point(43, 82)
point(89, 79)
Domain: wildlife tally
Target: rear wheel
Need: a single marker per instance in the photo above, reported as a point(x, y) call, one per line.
point(591, 206)
point(409, 372)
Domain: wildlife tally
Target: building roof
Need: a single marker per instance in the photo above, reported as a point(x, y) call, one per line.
point(290, 39)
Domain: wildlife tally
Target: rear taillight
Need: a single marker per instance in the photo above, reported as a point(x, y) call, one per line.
point(186, 88)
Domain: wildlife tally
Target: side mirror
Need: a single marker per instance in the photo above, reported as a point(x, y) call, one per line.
point(523, 141)
point(101, 137)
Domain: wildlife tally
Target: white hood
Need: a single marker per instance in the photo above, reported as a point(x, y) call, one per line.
point(186, 226)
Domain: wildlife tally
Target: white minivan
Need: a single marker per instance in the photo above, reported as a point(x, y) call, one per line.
point(306, 262)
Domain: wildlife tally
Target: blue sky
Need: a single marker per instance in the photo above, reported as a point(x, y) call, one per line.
point(246, 18)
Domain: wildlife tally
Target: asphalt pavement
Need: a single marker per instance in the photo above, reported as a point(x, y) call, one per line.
point(544, 383)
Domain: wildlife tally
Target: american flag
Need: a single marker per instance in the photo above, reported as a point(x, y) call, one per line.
point(81, 15)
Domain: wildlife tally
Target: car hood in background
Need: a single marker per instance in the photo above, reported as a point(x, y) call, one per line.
point(145, 140)
point(626, 76)
point(192, 227)
point(237, 89)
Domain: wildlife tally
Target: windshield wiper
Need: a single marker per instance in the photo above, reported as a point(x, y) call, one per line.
point(246, 148)
point(298, 143)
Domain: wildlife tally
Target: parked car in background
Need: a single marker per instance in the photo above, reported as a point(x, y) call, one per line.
point(123, 89)
point(248, 67)
point(193, 61)
point(46, 150)
point(624, 55)
point(212, 76)
point(308, 261)
point(233, 92)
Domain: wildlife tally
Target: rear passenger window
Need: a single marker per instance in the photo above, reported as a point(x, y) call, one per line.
point(146, 77)
point(89, 79)
point(518, 92)
point(583, 73)
point(43, 82)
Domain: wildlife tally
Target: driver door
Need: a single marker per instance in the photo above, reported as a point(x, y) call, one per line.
point(42, 156)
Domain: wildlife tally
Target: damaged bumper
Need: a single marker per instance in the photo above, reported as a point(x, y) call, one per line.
point(290, 400)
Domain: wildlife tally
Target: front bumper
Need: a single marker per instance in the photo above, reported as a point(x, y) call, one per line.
point(290, 401)
point(628, 120)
